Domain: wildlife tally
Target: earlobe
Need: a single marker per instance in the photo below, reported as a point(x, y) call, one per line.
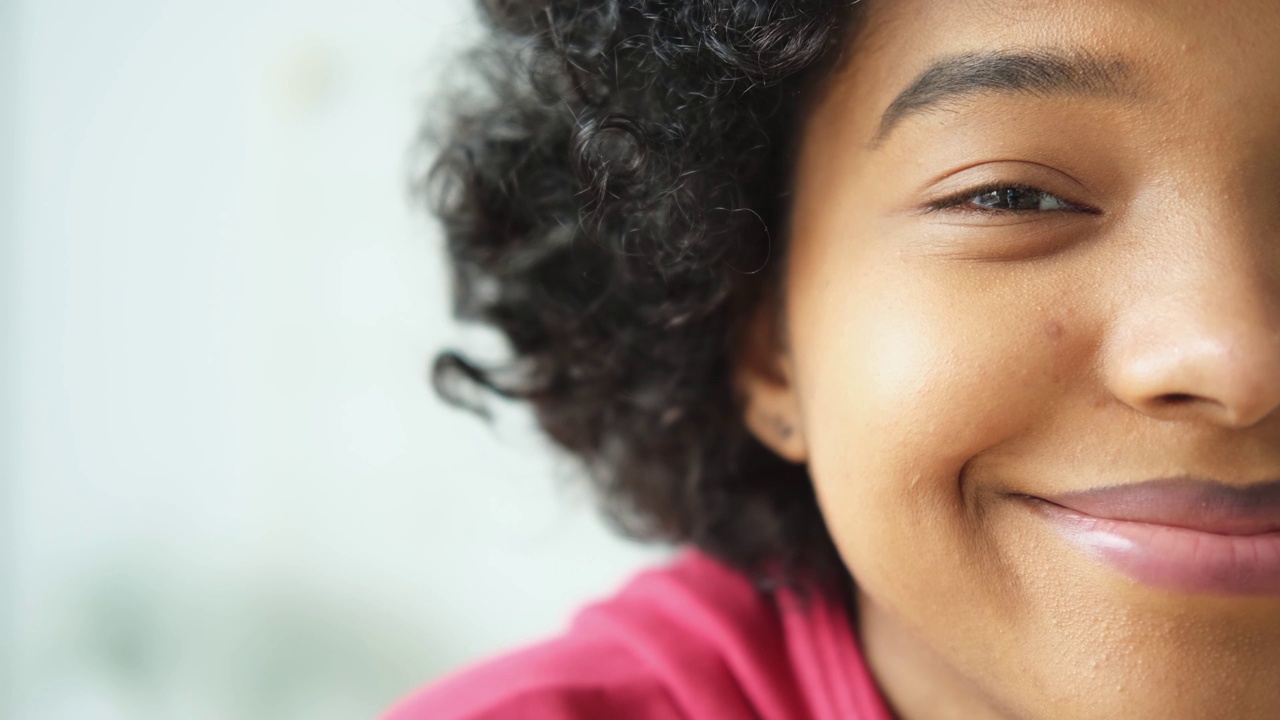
point(772, 415)
point(764, 379)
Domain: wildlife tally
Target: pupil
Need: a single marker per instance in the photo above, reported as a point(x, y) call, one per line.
point(1017, 199)
point(1009, 199)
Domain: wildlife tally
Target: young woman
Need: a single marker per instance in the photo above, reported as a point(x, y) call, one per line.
point(945, 333)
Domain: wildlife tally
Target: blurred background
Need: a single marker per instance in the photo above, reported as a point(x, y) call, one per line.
point(226, 488)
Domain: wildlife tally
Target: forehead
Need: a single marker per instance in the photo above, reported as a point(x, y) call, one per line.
point(1176, 51)
point(1114, 23)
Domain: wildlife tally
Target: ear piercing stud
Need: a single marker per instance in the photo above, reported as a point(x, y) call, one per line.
point(781, 427)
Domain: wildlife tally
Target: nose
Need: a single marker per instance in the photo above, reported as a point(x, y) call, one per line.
point(1200, 340)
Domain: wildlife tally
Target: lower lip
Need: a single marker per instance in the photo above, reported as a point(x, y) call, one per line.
point(1174, 558)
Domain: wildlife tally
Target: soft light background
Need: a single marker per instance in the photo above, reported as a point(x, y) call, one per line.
point(228, 491)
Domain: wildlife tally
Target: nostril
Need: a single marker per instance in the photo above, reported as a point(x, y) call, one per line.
point(1178, 398)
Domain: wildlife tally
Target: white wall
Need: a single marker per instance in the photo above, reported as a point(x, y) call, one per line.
point(8, 304)
point(232, 493)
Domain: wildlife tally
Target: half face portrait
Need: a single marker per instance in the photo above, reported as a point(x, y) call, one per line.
point(1030, 342)
point(955, 324)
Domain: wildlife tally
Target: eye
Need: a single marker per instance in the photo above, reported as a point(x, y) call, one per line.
point(1007, 199)
point(1018, 200)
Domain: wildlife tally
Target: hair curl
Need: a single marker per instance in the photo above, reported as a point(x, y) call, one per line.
point(615, 206)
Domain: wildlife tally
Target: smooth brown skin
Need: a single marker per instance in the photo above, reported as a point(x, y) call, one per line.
point(935, 362)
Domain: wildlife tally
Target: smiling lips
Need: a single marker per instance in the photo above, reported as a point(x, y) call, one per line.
point(1182, 534)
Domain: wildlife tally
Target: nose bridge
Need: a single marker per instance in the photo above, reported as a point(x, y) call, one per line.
point(1223, 275)
point(1198, 327)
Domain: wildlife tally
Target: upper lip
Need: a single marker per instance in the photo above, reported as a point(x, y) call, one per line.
point(1187, 502)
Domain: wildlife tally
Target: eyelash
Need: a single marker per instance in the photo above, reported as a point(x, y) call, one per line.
point(963, 201)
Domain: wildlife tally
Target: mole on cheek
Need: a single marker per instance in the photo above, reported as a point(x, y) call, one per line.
point(1054, 330)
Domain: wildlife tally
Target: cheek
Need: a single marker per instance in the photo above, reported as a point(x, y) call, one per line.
point(905, 375)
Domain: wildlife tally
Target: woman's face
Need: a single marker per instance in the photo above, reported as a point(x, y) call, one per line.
point(1036, 252)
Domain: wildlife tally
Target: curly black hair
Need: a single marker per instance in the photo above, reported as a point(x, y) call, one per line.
point(615, 204)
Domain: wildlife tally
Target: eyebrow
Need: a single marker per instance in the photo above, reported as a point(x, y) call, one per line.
point(1038, 72)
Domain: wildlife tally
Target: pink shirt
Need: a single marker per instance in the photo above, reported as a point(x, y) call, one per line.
point(690, 641)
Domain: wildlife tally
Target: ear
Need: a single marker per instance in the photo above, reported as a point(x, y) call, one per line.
point(764, 378)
